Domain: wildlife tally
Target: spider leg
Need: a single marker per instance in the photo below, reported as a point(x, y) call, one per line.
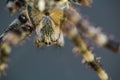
point(81, 46)
point(91, 31)
point(18, 30)
point(82, 2)
point(15, 5)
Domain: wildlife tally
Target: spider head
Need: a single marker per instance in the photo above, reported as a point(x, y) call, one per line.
point(14, 5)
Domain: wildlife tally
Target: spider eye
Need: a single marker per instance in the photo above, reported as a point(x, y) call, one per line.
point(22, 18)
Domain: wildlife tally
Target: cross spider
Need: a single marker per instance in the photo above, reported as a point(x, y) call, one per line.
point(51, 20)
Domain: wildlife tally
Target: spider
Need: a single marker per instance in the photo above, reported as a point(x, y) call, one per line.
point(51, 20)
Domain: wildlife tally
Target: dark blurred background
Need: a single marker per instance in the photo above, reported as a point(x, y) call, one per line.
point(52, 63)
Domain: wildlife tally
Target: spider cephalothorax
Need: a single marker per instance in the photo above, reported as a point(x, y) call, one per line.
point(48, 31)
point(51, 19)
